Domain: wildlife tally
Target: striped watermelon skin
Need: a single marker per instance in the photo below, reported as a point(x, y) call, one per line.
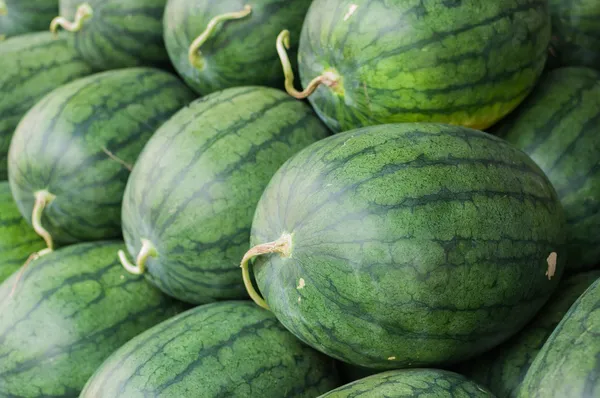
point(23, 16)
point(411, 244)
point(227, 349)
point(70, 310)
point(567, 365)
point(461, 62)
point(410, 383)
point(239, 53)
point(120, 34)
point(558, 126)
point(576, 32)
point(32, 65)
point(17, 239)
point(195, 187)
point(79, 142)
point(503, 369)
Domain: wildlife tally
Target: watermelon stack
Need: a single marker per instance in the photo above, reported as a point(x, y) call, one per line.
point(175, 219)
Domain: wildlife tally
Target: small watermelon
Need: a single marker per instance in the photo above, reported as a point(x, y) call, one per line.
point(461, 62)
point(568, 364)
point(71, 154)
point(227, 349)
point(558, 126)
point(31, 66)
point(17, 239)
point(576, 32)
point(407, 245)
point(64, 314)
point(411, 383)
point(112, 34)
point(216, 45)
point(22, 16)
point(189, 203)
point(503, 369)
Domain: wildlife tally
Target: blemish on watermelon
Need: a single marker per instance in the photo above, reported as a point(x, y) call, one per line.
point(551, 265)
point(301, 284)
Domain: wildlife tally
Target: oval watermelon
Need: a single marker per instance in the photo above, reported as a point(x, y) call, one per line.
point(411, 383)
point(576, 32)
point(227, 349)
point(461, 62)
point(70, 156)
point(567, 365)
point(407, 245)
point(112, 34)
point(558, 126)
point(65, 314)
point(17, 240)
point(237, 47)
point(32, 65)
point(22, 16)
point(503, 369)
point(189, 203)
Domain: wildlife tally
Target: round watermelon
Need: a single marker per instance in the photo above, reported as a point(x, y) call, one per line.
point(189, 202)
point(216, 45)
point(461, 62)
point(407, 245)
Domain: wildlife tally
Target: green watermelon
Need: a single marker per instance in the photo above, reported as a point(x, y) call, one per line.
point(503, 369)
point(558, 126)
point(411, 383)
point(71, 154)
point(189, 203)
point(112, 34)
point(32, 65)
point(65, 314)
point(407, 245)
point(576, 32)
point(17, 240)
point(568, 363)
point(22, 16)
point(461, 62)
point(237, 47)
point(227, 349)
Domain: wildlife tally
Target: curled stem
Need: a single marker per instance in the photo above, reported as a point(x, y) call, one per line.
point(31, 258)
point(283, 246)
point(194, 54)
point(3, 8)
point(329, 79)
point(42, 199)
point(139, 268)
point(83, 13)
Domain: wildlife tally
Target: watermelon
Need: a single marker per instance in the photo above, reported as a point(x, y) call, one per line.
point(66, 313)
point(226, 349)
point(559, 128)
point(71, 154)
point(32, 65)
point(411, 383)
point(567, 364)
point(112, 34)
point(189, 203)
point(216, 45)
point(407, 245)
point(22, 16)
point(576, 32)
point(17, 240)
point(503, 369)
point(461, 62)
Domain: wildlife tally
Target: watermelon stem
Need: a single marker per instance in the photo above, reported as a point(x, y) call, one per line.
point(3, 8)
point(42, 199)
point(139, 268)
point(194, 54)
point(83, 13)
point(283, 246)
point(328, 78)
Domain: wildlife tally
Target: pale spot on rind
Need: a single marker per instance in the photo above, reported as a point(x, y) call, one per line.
point(301, 284)
point(351, 11)
point(551, 260)
point(299, 298)
point(391, 358)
